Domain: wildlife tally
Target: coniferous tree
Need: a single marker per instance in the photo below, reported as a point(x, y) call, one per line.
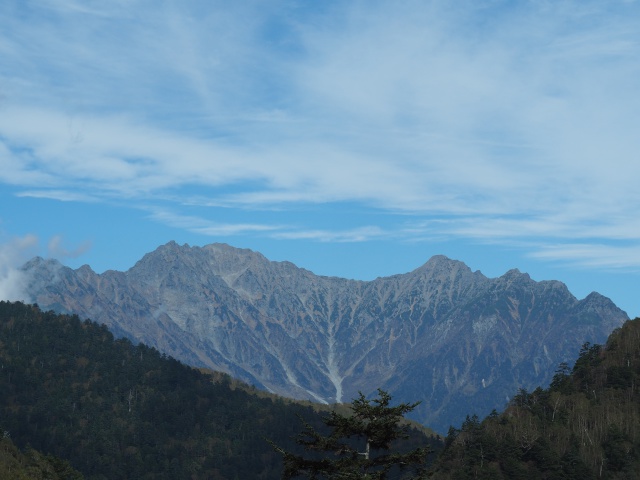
point(358, 446)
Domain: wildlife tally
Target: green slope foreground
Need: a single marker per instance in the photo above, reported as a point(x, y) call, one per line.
point(32, 465)
point(116, 410)
point(586, 425)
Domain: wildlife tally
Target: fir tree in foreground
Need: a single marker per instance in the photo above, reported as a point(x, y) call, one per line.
point(359, 445)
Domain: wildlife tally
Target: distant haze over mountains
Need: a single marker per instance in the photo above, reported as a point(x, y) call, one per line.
point(452, 338)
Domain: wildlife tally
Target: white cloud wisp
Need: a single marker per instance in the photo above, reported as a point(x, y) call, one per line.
point(512, 121)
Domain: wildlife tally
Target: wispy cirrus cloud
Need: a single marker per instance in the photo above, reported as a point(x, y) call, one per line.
point(278, 231)
point(509, 121)
point(57, 249)
point(360, 234)
point(205, 226)
point(60, 195)
point(592, 255)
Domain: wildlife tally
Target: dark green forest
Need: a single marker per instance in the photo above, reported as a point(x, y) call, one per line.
point(77, 403)
point(114, 410)
point(586, 425)
point(32, 465)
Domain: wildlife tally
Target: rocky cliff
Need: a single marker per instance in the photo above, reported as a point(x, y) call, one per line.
point(456, 340)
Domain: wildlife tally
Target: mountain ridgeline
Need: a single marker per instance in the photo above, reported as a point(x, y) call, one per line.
point(456, 340)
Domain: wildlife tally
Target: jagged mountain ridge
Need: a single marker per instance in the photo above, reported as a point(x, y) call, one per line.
point(453, 338)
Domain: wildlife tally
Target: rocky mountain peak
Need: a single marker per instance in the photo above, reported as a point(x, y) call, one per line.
point(515, 273)
point(439, 264)
point(46, 271)
point(452, 338)
point(597, 304)
point(39, 262)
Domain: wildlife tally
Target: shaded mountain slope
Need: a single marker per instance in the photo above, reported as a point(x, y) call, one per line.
point(451, 337)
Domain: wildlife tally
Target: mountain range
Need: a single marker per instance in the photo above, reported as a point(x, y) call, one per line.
point(442, 334)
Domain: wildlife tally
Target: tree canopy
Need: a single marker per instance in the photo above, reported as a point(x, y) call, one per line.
point(586, 425)
point(358, 445)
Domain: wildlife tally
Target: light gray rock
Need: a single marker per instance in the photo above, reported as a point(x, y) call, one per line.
point(454, 339)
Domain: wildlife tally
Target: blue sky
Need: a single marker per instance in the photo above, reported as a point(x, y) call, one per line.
point(355, 139)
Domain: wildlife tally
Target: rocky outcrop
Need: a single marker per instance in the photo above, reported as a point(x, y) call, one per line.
point(456, 340)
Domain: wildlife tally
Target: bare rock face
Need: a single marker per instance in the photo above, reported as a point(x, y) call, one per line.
point(454, 339)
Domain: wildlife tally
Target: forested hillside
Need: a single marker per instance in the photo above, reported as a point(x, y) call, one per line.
point(31, 464)
point(585, 425)
point(116, 410)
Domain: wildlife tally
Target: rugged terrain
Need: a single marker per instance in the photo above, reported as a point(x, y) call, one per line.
point(456, 340)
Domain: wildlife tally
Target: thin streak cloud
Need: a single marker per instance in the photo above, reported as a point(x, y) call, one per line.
point(625, 257)
point(362, 234)
point(506, 121)
point(207, 227)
